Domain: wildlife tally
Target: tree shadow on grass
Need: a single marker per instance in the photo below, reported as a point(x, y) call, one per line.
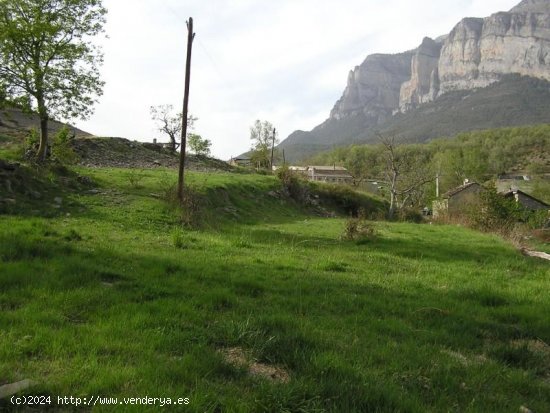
point(289, 320)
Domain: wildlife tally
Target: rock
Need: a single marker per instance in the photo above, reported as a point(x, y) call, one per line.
point(532, 6)
point(93, 191)
point(524, 409)
point(13, 388)
point(35, 194)
point(8, 166)
point(424, 84)
point(85, 180)
point(374, 87)
point(479, 52)
point(10, 201)
point(8, 186)
point(58, 200)
point(158, 163)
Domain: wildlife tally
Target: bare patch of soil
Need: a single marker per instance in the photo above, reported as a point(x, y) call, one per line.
point(238, 357)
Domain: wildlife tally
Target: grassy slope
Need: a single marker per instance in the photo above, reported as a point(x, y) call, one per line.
point(426, 318)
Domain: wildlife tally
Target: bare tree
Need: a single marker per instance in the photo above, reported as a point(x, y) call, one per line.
point(169, 123)
point(406, 174)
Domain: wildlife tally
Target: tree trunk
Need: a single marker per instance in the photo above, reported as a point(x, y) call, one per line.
point(43, 147)
point(393, 195)
point(173, 143)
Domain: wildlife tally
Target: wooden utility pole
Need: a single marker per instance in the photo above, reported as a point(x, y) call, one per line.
point(190, 38)
point(273, 148)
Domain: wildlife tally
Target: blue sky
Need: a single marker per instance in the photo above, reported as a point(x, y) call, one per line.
point(285, 61)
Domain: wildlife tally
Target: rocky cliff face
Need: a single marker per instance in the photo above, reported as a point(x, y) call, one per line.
point(475, 54)
point(424, 83)
point(479, 52)
point(373, 87)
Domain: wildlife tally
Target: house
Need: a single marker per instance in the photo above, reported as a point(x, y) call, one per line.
point(242, 161)
point(526, 201)
point(456, 200)
point(332, 174)
point(507, 181)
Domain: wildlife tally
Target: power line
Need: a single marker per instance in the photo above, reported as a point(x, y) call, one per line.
point(211, 60)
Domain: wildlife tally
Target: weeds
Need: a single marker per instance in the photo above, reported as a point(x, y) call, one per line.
point(62, 149)
point(135, 177)
point(359, 229)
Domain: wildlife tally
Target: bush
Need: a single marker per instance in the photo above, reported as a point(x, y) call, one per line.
point(62, 149)
point(293, 184)
point(359, 229)
point(178, 239)
point(410, 215)
point(191, 207)
point(493, 212)
point(135, 178)
point(349, 201)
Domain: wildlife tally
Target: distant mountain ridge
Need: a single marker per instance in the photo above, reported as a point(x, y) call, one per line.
point(476, 54)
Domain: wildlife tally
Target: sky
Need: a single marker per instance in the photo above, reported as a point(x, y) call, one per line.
point(285, 61)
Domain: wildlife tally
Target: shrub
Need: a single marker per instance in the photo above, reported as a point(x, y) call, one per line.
point(410, 215)
point(349, 201)
point(359, 229)
point(178, 239)
point(134, 178)
point(293, 184)
point(62, 149)
point(191, 207)
point(493, 212)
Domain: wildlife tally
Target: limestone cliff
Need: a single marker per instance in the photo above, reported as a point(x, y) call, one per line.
point(479, 52)
point(424, 83)
point(475, 54)
point(480, 56)
point(373, 87)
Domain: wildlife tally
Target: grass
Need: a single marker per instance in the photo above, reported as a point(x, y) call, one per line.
point(119, 300)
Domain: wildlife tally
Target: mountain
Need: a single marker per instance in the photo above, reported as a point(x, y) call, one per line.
point(487, 72)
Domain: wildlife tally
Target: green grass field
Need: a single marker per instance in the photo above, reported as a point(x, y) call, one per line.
point(110, 296)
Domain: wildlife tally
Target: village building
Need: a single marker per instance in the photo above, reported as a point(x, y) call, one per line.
point(527, 201)
point(332, 174)
point(457, 200)
point(242, 161)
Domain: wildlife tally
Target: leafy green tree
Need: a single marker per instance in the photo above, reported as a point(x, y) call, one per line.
point(261, 135)
point(46, 52)
point(198, 144)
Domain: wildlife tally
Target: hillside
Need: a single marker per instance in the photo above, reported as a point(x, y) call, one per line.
point(98, 152)
point(265, 308)
point(14, 122)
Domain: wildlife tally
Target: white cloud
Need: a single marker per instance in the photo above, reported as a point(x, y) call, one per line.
point(285, 61)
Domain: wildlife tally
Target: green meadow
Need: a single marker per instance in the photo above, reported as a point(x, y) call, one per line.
point(108, 294)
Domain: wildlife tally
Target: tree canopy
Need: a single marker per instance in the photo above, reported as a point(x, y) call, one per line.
point(198, 144)
point(170, 123)
point(47, 56)
point(261, 135)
